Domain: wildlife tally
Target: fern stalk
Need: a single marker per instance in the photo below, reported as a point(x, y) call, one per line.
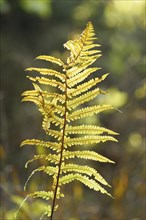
point(61, 153)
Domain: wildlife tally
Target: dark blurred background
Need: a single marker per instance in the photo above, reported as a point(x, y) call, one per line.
point(31, 28)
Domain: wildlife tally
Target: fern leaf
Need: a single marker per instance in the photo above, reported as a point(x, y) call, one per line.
point(50, 59)
point(30, 93)
point(88, 129)
point(88, 140)
point(35, 100)
point(50, 157)
point(45, 71)
point(88, 111)
point(85, 170)
point(90, 46)
point(87, 52)
point(92, 184)
point(86, 154)
point(42, 194)
point(86, 86)
point(45, 81)
point(80, 77)
point(84, 98)
point(52, 145)
point(76, 69)
point(74, 88)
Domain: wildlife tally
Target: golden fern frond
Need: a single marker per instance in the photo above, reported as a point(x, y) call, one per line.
point(92, 184)
point(86, 86)
point(73, 86)
point(33, 99)
point(52, 145)
point(45, 194)
point(88, 129)
point(77, 69)
point(49, 157)
point(45, 81)
point(42, 194)
point(80, 77)
point(50, 59)
point(88, 111)
point(85, 170)
point(30, 93)
point(94, 139)
point(83, 98)
point(86, 154)
point(49, 72)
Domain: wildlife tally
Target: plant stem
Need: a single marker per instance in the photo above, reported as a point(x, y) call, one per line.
point(61, 153)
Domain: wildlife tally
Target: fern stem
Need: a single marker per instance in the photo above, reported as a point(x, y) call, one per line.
point(62, 146)
point(61, 153)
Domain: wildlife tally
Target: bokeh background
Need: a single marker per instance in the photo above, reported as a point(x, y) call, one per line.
point(31, 28)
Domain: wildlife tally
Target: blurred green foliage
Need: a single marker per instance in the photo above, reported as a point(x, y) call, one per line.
point(34, 27)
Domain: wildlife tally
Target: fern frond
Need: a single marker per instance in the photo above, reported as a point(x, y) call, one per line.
point(88, 111)
point(87, 52)
point(88, 140)
point(45, 81)
point(90, 46)
point(52, 145)
point(85, 170)
point(80, 77)
point(73, 87)
point(88, 129)
point(30, 93)
point(50, 157)
point(86, 86)
point(49, 72)
point(50, 59)
point(33, 99)
point(74, 70)
point(42, 194)
point(86, 154)
point(92, 184)
point(82, 99)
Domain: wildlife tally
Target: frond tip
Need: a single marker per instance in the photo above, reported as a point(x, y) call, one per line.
point(62, 96)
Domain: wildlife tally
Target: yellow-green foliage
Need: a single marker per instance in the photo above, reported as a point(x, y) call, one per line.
point(60, 109)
